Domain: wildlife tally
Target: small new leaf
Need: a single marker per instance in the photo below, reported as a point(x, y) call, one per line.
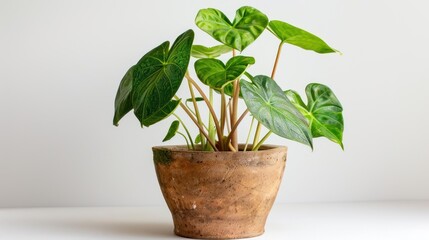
point(172, 130)
point(197, 99)
point(198, 139)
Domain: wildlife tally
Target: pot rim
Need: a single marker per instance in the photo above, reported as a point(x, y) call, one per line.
point(266, 148)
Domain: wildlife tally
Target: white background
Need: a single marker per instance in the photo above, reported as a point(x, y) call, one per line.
point(61, 63)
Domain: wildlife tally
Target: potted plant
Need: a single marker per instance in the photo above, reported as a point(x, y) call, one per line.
point(214, 186)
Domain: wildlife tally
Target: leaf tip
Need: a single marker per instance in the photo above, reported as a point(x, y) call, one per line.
point(115, 121)
point(337, 51)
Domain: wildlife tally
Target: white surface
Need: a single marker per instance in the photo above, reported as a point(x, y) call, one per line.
point(351, 221)
point(61, 63)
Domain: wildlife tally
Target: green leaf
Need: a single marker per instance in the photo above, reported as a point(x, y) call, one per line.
point(229, 88)
point(199, 51)
point(158, 75)
point(197, 99)
point(248, 75)
point(270, 106)
point(248, 24)
point(298, 37)
point(172, 130)
point(198, 139)
point(161, 114)
point(324, 111)
point(123, 103)
point(189, 100)
point(215, 74)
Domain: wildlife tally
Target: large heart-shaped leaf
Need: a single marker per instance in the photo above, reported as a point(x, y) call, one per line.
point(158, 75)
point(270, 106)
point(123, 102)
point(161, 113)
point(323, 110)
point(200, 51)
point(248, 24)
point(172, 130)
point(298, 37)
point(215, 74)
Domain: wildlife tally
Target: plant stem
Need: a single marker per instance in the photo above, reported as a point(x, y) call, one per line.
point(233, 111)
point(234, 128)
point(209, 105)
point(228, 121)
point(256, 148)
point(257, 133)
point(231, 147)
point(186, 103)
point(198, 125)
point(204, 125)
point(273, 73)
point(186, 130)
point(234, 133)
point(222, 111)
point(248, 135)
point(197, 112)
point(279, 50)
point(186, 139)
point(211, 130)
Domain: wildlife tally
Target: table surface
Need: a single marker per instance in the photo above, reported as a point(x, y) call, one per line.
point(316, 221)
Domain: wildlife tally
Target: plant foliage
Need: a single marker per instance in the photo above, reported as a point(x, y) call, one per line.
point(150, 86)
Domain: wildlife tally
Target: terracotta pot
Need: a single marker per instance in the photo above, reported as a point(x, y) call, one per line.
point(219, 194)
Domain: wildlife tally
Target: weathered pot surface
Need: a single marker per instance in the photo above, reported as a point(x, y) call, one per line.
point(219, 194)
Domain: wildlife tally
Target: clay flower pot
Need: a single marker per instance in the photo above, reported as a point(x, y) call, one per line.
point(219, 194)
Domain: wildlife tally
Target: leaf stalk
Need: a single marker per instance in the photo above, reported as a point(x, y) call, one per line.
point(209, 105)
point(198, 125)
